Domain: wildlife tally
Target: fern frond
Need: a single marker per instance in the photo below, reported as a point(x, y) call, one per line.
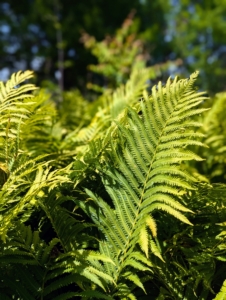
point(26, 257)
point(12, 91)
point(29, 259)
point(215, 137)
point(12, 107)
point(112, 106)
point(12, 204)
point(143, 171)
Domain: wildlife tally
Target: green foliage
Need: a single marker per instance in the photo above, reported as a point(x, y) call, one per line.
point(107, 206)
point(215, 131)
point(24, 187)
point(120, 55)
point(196, 34)
point(194, 256)
point(43, 21)
point(192, 31)
point(117, 55)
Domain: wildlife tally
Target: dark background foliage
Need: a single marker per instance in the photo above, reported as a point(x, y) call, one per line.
point(45, 35)
point(34, 29)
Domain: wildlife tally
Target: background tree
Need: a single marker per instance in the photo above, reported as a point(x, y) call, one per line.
point(33, 31)
point(45, 36)
point(196, 33)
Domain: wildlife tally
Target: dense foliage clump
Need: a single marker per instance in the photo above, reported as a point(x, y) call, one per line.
point(118, 198)
point(89, 211)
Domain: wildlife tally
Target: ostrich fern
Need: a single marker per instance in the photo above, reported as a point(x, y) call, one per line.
point(142, 173)
point(30, 184)
point(96, 225)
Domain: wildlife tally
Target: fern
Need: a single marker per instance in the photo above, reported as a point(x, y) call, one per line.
point(98, 199)
point(14, 110)
point(194, 256)
point(143, 175)
point(47, 269)
point(92, 141)
point(37, 131)
point(11, 91)
point(215, 131)
point(28, 259)
point(12, 204)
point(12, 107)
point(23, 252)
point(110, 105)
point(26, 181)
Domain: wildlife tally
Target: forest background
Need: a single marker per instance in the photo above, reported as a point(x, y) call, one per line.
point(46, 36)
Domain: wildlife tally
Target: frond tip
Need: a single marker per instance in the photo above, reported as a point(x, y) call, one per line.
point(12, 89)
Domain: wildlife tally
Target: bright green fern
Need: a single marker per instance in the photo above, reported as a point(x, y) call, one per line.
point(142, 175)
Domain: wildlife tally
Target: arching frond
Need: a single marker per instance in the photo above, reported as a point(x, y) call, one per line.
point(29, 179)
point(12, 90)
point(44, 268)
point(112, 106)
point(143, 173)
point(14, 110)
